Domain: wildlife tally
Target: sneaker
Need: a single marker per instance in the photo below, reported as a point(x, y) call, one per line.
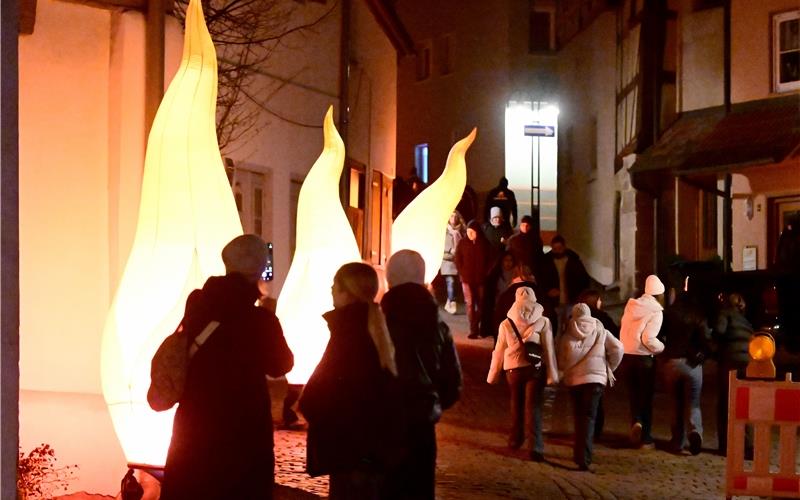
point(695, 442)
point(636, 434)
point(451, 307)
point(647, 444)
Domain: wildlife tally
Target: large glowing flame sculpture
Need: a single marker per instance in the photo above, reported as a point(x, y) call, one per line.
point(324, 243)
point(422, 224)
point(186, 215)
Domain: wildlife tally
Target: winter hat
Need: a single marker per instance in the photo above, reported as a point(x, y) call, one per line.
point(245, 254)
point(653, 285)
point(405, 266)
point(474, 224)
point(495, 212)
point(526, 219)
point(580, 311)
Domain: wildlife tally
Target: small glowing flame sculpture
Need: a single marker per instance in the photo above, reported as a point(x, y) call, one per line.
point(325, 242)
point(421, 226)
point(186, 215)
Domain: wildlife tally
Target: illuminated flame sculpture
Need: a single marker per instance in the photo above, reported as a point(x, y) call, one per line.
point(421, 226)
point(324, 243)
point(186, 215)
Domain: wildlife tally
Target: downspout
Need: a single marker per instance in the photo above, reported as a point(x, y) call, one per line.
point(344, 95)
point(154, 61)
point(726, 55)
point(727, 225)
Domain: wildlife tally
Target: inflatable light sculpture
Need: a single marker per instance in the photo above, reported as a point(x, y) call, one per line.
point(186, 215)
point(422, 224)
point(324, 243)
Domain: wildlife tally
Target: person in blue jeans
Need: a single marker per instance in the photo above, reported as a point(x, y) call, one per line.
point(686, 340)
point(525, 323)
point(588, 354)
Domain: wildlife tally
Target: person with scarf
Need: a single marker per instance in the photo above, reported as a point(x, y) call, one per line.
point(453, 235)
point(588, 354)
point(525, 382)
point(429, 373)
point(352, 423)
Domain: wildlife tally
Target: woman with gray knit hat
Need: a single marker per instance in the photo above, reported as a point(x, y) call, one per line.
point(428, 370)
point(525, 323)
point(641, 322)
point(587, 355)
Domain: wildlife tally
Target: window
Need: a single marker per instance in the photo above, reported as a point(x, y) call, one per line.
point(421, 161)
point(445, 56)
point(709, 201)
point(423, 61)
point(786, 51)
point(541, 33)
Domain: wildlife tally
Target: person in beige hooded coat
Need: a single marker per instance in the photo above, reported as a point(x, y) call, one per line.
point(640, 324)
point(587, 355)
point(526, 387)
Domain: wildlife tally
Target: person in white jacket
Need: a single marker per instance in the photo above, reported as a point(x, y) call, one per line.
point(640, 325)
point(588, 354)
point(526, 382)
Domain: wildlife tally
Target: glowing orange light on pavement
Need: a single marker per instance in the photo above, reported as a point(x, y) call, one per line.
point(422, 224)
point(186, 215)
point(325, 242)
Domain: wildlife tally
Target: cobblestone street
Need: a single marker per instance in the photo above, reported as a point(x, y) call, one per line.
point(474, 462)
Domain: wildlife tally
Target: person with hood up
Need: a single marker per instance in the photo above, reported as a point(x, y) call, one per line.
point(640, 324)
point(352, 424)
point(588, 354)
point(454, 233)
point(429, 373)
point(526, 245)
point(472, 254)
point(497, 233)
point(503, 198)
point(222, 444)
point(526, 382)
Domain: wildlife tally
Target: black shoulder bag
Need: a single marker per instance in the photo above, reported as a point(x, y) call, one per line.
point(533, 351)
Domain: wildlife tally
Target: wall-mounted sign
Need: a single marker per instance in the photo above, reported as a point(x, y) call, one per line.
point(750, 258)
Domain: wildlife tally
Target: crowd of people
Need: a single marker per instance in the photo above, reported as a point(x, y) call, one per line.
point(390, 368)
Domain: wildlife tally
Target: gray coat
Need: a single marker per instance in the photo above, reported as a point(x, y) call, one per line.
point(448, 261)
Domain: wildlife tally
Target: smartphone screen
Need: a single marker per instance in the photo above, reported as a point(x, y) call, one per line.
point(266, 275)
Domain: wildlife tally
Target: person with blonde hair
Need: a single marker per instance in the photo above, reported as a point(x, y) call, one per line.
point(346, 400)
point(525, 323)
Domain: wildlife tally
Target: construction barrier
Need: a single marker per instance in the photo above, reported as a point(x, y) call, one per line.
point(764, 405)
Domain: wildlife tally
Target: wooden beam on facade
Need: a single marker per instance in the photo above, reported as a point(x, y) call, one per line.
point(140, 5)
point(390, 23)
point(154, 60)
point(27, 16)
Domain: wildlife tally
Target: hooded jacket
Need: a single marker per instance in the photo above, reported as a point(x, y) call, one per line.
point(452, 237)
point(587, 352)
point(732, 333)
point(509, 353)
point(472, 257)
point(641, 322)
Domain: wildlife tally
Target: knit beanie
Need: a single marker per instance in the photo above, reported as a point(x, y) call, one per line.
point(495, 212)
point(405, 266)
point(580, 310)
point(526, 219)
point(474, 224)
point(653, 285)
point(245, 254)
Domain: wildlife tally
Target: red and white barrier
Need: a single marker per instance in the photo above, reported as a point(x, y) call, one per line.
point(763, 404)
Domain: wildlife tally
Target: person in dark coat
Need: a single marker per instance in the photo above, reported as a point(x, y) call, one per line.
point(222, 445)
point(497, 233)
point(348, 399)
point(502, 197)
point(732, 333)
point(429, 373)
point(568, 281)
point(526, 245)
point(499, 279)
point(472, 263)
point(686, 340)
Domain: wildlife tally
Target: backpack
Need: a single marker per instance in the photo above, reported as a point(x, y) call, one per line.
point(170, 365)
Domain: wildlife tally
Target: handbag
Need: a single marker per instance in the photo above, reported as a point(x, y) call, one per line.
point(533, 350)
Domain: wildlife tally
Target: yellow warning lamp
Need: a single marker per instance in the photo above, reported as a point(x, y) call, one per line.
point(761, 350)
